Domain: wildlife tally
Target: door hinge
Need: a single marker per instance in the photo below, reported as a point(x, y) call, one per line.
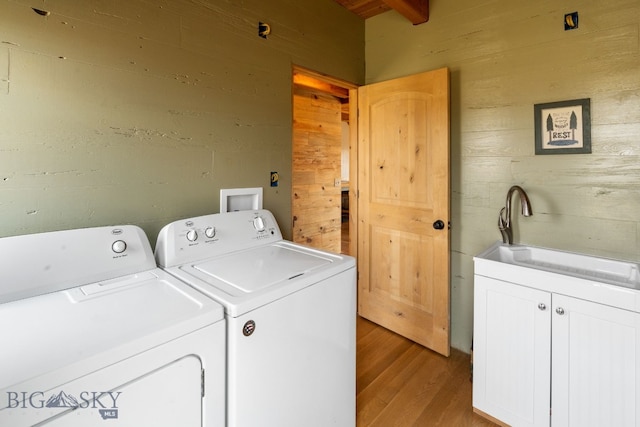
point(202, 383)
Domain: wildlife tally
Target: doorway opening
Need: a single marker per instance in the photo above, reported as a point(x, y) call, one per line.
point(324, 168)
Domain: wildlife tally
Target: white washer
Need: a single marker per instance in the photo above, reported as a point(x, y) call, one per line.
point(94, 333)
point(291, 313)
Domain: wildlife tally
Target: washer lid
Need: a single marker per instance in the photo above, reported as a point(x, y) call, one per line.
point(245, 280)
point(262, 267)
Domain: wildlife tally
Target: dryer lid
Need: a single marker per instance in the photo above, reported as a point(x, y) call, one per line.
point(68, 333)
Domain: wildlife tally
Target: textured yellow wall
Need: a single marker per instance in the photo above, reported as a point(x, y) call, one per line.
point(505, 57)
point(139, 111)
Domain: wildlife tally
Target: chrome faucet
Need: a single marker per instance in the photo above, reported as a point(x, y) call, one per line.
point(504, 220)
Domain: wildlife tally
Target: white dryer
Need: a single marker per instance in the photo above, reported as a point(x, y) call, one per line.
point(290, 310)
point(93, 333)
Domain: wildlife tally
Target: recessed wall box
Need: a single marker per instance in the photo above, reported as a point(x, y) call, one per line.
point(571, 21)
point(240, 199)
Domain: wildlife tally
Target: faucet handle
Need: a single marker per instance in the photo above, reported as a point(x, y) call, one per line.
point(501, 221)
point(505, 229)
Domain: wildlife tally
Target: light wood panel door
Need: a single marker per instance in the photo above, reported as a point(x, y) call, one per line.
point(403, 206)
point(316, 191)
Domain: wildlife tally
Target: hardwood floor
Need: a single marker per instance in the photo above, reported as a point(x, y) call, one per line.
point(344, 237)
point(400, 383)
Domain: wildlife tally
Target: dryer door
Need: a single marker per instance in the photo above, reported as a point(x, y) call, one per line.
point(167, 397)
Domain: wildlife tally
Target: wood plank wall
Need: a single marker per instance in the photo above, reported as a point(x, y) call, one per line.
point(316, 157)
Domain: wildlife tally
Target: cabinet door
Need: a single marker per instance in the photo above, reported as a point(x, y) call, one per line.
point(596, 364)
point(512, 352)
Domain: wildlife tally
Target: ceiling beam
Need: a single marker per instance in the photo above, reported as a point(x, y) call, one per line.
point(416, 11)
point(365, 8)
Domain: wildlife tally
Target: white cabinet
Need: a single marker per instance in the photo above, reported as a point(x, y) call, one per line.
point(543, 358)
point(595, 364)
point(511, 352)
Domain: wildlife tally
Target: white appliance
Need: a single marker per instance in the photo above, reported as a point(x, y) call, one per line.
point(93, 333)
point(290, 310)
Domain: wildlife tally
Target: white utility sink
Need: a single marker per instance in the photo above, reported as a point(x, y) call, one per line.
point(608, 281)
point(621, 273)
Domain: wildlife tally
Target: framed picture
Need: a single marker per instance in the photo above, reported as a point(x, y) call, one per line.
point(563, 127)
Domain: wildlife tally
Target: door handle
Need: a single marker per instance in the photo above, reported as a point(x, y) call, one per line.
point(438, 225)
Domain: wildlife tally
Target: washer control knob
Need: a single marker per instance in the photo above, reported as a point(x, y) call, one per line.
point(192, 235)
point(210, 232)
point(119, 246)
point(258, 223)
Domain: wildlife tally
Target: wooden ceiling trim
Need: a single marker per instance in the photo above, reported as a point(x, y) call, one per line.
point(365, 8)
point(416, 11)
point(304, 78)
point(322, 86)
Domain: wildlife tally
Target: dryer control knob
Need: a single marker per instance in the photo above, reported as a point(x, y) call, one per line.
point(210, 232)
point(192, 235)
point(119, 246)
point(258, 223)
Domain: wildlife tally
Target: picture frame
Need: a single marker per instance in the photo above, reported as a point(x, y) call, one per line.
point(563, 127)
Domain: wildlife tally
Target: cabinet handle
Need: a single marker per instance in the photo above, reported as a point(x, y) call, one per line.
point(542, 306)
point(560, 311)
